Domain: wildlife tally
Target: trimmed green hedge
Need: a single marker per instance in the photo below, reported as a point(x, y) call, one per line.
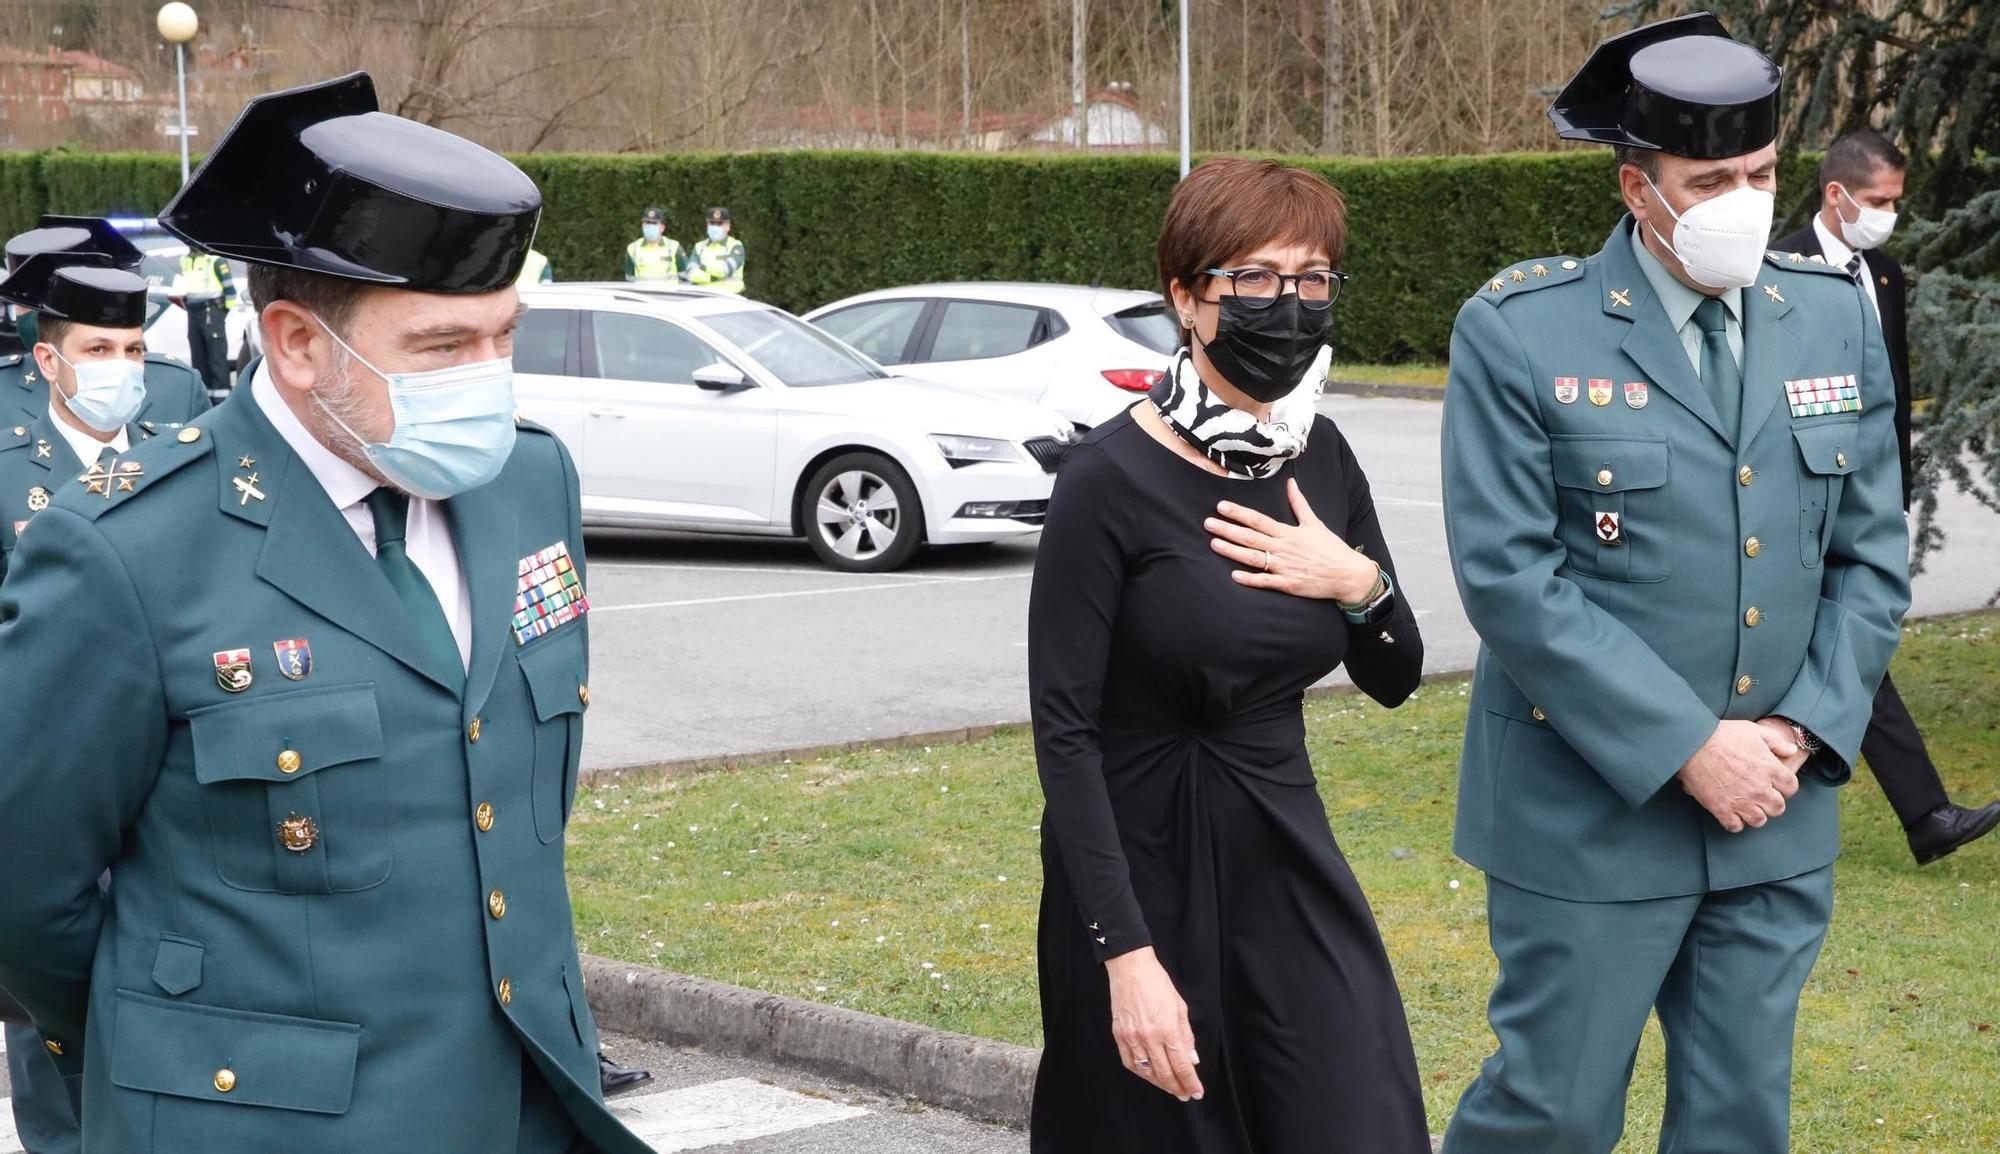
point(1424, 232)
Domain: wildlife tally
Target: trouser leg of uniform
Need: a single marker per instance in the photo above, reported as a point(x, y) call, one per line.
point(208, 344)
point(1577, 983)
point(1729, 1008)
point(43, 1118)
point(1896, 755)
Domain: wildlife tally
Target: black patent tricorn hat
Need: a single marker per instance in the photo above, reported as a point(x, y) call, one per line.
point(1679, 86)
point(318, 179)
point(84, 240)
point(87, 294)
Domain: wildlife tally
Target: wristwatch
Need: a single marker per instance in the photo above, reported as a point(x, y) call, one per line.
point(1376, 608)
point(1811, 744)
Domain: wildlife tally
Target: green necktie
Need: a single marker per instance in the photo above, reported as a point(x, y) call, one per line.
point(391, 511)
point(1720, 374)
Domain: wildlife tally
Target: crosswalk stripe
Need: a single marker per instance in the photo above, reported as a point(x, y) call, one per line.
point(719, 1113)
point(692, 1118)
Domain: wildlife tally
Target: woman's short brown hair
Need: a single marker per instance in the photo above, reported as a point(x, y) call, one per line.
point(1230, 206)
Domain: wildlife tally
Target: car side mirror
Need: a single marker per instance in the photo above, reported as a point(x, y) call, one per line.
point(720, 378)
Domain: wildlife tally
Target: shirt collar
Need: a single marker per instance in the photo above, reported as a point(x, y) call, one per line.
point(85, 446)
point(341, 481)
point(1677, 299)
point(1837, 251)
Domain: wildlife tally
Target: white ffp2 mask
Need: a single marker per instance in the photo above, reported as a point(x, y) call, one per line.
point(1871, 230)
point(1721, 241)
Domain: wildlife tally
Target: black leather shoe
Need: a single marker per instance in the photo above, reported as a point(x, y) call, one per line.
point(617, 1079)
point(1946, 828)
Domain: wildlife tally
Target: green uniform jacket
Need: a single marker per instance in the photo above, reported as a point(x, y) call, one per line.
point(1605, 666)
point(174, 391)
point(338, 920)
point(35, 464)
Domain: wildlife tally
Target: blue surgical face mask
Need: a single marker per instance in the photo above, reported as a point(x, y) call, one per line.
point(717, 232)
point(454, 426)
point(650, 231)
point(108, 393)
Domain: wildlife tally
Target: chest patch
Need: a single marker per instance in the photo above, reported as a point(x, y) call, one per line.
point(548, 594)
point(1822, 396)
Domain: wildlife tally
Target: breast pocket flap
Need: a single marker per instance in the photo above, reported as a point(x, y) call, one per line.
point(1608, 465)
point(554, 667)
point(1829, 448)
point(269, 1060)
point(285, 736)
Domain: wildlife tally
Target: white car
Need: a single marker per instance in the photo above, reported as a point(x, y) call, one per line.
point(1085, 352)
point(690, 410)
point(166, 322)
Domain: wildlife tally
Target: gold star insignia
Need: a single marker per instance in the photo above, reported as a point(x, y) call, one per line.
point(1798, 258)
point(1497, 286)
point(1771, 290)
point(1817, 259)
point(1621, 297)
point(1517, 276)
point(1540, 270)
point(124, 484)
point(96, 480)
point(246, 463)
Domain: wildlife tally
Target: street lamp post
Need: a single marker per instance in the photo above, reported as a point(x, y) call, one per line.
point(178, 24)
point(1184, 88)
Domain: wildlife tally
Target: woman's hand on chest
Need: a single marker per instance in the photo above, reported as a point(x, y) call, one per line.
point(1305, 560)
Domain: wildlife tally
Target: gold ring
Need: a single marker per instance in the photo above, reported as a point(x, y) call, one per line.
point(1267, 560)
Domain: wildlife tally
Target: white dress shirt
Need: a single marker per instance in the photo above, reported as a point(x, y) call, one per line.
point(85, 446)
point(427, 536)
point(1837, 253)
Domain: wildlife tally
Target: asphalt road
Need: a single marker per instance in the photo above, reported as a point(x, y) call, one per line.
point(706, 646)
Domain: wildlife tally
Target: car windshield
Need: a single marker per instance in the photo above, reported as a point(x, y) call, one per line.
point(791, 350)
point(1148, 325)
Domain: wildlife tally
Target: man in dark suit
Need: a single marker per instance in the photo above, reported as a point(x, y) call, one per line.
point(1861, 180)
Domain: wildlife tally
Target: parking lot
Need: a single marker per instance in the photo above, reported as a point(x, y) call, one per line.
point(705, 646)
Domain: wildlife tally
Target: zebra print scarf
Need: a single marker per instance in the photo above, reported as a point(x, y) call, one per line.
point(1232, 438)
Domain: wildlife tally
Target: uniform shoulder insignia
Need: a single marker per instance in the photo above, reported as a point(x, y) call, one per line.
point(164, 359)
point(1528, 276)
point(10, 360)
point(142, 470)
point(1800, 262)
point(524, 423)
point(14, 437)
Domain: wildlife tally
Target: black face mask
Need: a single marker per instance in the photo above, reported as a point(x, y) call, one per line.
point(1266, 352)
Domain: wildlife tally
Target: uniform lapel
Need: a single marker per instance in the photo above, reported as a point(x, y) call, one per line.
point(1651, 343)
point(1770, 347)
point(61, 462)
point(484, 529)
point(310, 551)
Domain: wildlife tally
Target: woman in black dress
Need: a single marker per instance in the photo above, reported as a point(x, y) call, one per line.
point(1212, 979)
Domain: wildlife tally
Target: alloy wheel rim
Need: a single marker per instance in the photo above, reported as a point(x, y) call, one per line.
point(858, 515)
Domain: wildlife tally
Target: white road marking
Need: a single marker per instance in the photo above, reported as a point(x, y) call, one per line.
point(774, 571)
point(693, 1118)
point(1381, 500)
point(698, 601)
point(719, 1113)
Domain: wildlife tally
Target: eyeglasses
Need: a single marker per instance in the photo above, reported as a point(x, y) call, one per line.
point(1259, 287)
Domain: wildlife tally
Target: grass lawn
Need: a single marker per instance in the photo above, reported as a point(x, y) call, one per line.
point(1411, 374)
point(905, 883)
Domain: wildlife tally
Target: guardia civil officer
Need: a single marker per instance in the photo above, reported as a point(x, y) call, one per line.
point(718, 260)
point(174, 392)
point(1861, 181)
point(323, 715)
point(1671, 497)
point(92, 354)
point(206, 287)
point(655, 258)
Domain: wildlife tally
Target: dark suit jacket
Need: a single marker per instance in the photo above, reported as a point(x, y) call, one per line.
point(1890, 290)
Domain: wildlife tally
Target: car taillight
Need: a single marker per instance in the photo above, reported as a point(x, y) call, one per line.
point(1134, 380)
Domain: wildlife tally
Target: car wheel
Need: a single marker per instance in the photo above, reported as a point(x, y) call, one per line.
point(861, 514)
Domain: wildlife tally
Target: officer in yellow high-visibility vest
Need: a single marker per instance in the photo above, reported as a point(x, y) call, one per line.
point(718, 261)
point(535, 270)
point(655, 257)
point(208, 292)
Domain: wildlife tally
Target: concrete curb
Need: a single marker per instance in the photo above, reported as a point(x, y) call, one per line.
point(1371, 389)
point(989, 1080)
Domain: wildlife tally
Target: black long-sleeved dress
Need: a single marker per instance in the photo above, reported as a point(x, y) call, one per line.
point(1182, 814)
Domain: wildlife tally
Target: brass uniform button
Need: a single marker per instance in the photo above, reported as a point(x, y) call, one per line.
point(53, 1046)
point(225, 1080)
point(1745, 475)
point(1743, 684)
point(1604, 476)
point(1840, 460)
point(298, 834)
point(472, 732)
point(496, 904)
point(288, 761)
point(1569, 266)
point(1751, 617)
point(189, 436)
point(583, 694)
point(1537, 714)
point(483, 817)
point(506, 992)
point(1752, 547)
